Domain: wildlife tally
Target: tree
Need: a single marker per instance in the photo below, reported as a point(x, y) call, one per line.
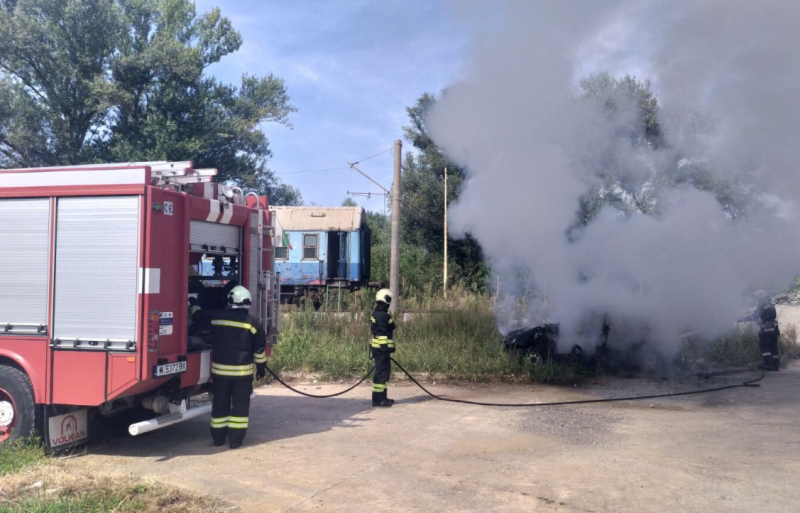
point(84, 81)
point(349, 202)
point(422, 221)
point(380, 226)
point(633, 122)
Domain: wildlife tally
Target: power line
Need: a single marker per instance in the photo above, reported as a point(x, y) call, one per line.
point(312, 170)
point(365, 175)
point(340, 168)
point(372, 156)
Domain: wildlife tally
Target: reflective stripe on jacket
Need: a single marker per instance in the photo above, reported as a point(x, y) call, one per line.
point(238, 342)
point(382, 328)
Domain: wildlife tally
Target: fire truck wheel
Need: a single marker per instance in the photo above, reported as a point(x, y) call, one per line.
point(17, 407)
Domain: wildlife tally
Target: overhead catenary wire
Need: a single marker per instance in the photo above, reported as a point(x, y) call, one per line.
point(337, 168)
point(373, 156)
point(340, 168)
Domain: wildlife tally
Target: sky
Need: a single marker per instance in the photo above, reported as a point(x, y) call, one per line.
point(351, 68)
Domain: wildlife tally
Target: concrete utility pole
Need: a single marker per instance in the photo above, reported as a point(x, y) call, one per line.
point(445, 232)
point(394, 266)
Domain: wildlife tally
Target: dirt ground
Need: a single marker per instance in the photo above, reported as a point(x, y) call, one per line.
point(731, 451)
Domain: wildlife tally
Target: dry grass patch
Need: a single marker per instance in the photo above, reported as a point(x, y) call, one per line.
point(54, 488)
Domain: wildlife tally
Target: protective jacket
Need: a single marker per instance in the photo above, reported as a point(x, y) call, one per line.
point(382, 328)
point(239, 342)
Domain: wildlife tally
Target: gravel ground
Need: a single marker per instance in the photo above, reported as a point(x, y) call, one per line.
point(731, 451)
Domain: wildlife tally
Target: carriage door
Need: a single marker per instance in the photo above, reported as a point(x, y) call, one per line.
point(343, 255)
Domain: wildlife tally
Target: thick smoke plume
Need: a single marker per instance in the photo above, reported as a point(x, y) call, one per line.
point(694, 220)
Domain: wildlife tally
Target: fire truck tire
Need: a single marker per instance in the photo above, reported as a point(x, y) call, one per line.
point(17, 405)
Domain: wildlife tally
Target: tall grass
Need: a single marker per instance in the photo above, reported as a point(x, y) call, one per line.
point(455, 339)
point(18, 455)
point(740, 346)
point(57, 488)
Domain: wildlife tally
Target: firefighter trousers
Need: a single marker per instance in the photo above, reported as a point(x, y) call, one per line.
point(383, 371)
point(768, 342)
point(230, 408)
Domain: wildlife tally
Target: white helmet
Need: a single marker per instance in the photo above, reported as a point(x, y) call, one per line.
point(384, 296)
point(239, 297)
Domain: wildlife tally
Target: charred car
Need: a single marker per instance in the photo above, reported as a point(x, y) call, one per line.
point(538, 344)
point(541, 343)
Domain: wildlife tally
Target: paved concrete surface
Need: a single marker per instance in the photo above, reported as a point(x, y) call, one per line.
point(731, 451)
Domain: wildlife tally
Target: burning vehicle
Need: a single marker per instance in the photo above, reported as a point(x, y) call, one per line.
point(541, 343)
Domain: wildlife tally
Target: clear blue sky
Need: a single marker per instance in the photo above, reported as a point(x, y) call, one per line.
point(351, 68)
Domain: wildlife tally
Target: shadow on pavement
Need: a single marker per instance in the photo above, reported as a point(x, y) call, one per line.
point(272, 418)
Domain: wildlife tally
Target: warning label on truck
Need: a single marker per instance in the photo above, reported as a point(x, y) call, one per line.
point(165, 323)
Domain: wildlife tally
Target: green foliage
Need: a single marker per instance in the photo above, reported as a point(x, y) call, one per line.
point(84, 81)
point(18, 455)
point(633, 118)
point(453, 339)
point(739, 347)
point(422, 221)
point(88, 503)
point(349, 202)
point(381, 227)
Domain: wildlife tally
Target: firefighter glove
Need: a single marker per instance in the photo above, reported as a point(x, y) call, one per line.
point(261, 370)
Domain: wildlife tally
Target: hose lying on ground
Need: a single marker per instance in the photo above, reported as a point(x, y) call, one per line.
point(750, 383)
point(320, 396)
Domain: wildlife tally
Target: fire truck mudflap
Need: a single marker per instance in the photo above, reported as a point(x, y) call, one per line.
point(68, 429)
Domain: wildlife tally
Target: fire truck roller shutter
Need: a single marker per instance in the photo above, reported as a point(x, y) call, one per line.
point(97, 268)
point(24, 263)
point(214, 239)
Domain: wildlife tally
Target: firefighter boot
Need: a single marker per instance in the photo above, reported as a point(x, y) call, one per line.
point(768, 363)
point(219, 435)
point(236, 438)
point(776, 362)
point(379, 399)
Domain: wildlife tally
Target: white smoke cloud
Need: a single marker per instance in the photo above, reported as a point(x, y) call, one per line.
point(727, 76)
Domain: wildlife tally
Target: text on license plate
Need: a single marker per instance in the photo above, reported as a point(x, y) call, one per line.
point(169, 368)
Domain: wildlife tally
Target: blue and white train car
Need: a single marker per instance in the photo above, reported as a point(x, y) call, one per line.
point(321, 247)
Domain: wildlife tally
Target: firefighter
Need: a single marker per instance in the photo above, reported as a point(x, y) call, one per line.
point(239, 345)
point(196, 334)
point(382, 346)
point(768, 333)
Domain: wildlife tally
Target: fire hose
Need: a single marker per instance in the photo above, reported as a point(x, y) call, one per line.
point(279, 380)
point(750, 383)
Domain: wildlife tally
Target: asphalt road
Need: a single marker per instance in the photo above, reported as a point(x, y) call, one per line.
point(730, 451)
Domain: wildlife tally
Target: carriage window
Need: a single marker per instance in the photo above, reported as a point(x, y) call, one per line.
point(281, 253)
point(310, 244)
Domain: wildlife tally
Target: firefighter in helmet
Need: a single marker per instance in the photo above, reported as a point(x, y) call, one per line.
point(239, 345)
point(768, 333)
point(382, 346)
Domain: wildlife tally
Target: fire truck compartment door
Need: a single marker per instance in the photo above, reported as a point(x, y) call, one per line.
point(25, 268)
point(96, 277)
point(214, 239)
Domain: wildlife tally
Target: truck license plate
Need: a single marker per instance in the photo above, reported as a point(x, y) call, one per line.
point(169, 368)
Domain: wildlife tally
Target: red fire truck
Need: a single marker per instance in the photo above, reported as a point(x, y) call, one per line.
point(96, 266)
